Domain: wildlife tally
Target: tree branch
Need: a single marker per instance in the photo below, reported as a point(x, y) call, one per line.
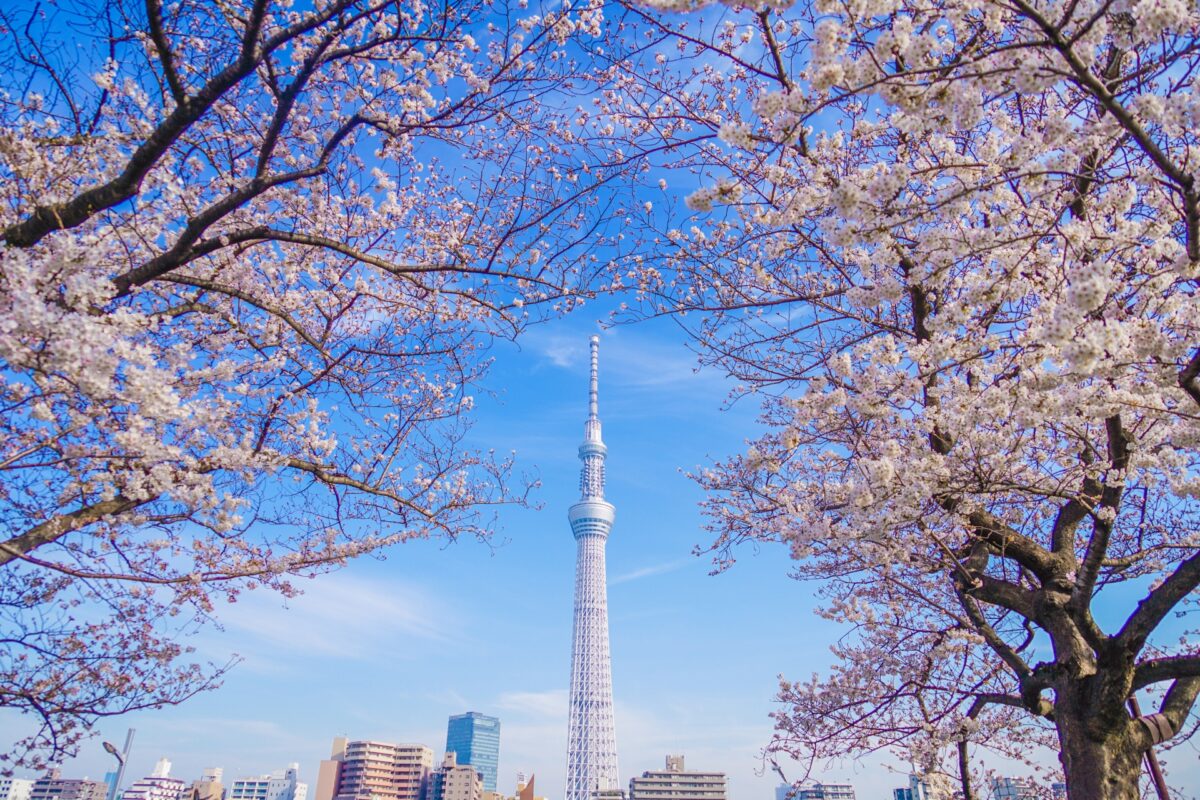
point(1006, 595)
point(1157, 604)
point(83, 206)
point(1083, 76)
point(330, 475)
point(163, 47)
point(1189, 377)
point(1110, 499)
point(179, 254)
point(1168, 668)
point(994, 640)
point(1008, 543)
point(56, 527)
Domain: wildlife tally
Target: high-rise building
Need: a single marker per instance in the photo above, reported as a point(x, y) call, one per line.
point(825, 791)
point(474, 739)
point(158, 785)
point(52, 786)
point(374, 771)
point(15, 788)
point(209, 786)
point(282, 784)
point(454, 781)
point(591, 738)
point(676, 783)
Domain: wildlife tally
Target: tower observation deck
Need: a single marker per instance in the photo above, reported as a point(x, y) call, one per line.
point(591, 740)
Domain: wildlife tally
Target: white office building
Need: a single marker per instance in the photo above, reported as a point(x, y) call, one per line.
point(825, 791)
point(282, 784)
point(15, 788)
point(158, 785)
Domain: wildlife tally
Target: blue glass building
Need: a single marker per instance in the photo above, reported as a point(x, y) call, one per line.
point(474, 739)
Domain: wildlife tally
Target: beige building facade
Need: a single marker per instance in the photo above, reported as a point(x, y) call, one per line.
point(209, 787)
point(456, 781)
point(52, 786)
point(676, 783)
point(367, 770)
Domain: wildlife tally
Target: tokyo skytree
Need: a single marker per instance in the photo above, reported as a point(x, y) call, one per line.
point(591, 741)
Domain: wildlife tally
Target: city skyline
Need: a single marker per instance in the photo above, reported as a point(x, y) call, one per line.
point(430, 609)
point(366, 760)
point(446, 628)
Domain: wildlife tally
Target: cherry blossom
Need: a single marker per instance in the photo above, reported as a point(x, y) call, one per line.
point(254, 255)
point(953, 247)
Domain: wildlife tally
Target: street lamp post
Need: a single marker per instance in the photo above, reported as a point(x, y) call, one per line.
point(121, 756)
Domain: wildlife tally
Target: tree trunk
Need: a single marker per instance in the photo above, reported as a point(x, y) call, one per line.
point(1099, 767)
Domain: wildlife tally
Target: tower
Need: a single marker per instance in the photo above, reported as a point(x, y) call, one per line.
point(591, 741)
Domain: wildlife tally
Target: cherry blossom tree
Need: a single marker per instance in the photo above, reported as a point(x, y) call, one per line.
point(954, 247)
point(254, 253)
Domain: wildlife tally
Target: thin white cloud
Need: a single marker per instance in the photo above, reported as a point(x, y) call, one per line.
point(636, 360)
point(646, 572)
point(549, 704)
point(450, 697)
point(563, 352)
point(338, 615)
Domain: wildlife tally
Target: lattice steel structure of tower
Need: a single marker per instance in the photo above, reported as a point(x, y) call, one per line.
point(591, 740)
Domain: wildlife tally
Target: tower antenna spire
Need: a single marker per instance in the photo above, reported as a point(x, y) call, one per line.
point(594, 384)
point(591, 428)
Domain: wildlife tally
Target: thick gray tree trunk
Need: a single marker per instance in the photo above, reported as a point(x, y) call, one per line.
point(1102, 760)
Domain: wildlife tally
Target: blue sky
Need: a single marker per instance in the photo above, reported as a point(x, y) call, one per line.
point(388, 648)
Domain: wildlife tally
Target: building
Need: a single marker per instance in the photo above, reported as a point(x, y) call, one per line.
point(282, 784)
point(208, 787)
point(825, 791)
point(591, 736)
point(1014, 789)
point(917, 789)
point(364, 770)
point(329, 771)
point(676, 783)
point(15, 788)
point(52, 786)
point(454, 781)
point(525, 790)
point(158, 785)
point(474, 739)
